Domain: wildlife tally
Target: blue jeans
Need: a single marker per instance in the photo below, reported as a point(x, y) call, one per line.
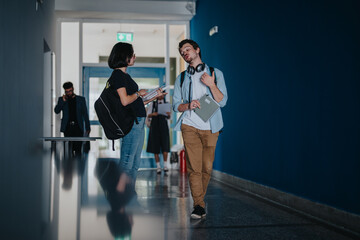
point(131, 146)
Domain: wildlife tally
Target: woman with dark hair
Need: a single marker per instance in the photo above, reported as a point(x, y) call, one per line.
point(121, 56)
point(159, 139)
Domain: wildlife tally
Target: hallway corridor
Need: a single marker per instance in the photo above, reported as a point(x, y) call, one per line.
point(291, 124)
point(162, 207)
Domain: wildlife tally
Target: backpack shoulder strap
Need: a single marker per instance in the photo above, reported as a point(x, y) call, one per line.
point(211, 71)
point(182, 77)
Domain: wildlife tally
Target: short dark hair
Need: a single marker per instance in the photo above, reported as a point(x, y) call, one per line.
point(191, 42)
point(67, 85)
point(120, 55)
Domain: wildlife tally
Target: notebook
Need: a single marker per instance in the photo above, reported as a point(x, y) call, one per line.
point(163, 108)
point(208, 108)
point(153, 93)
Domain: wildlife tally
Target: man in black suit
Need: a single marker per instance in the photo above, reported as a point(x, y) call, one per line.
point(75, 121)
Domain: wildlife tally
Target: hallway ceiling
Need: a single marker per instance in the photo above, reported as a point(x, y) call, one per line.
point(177, 10)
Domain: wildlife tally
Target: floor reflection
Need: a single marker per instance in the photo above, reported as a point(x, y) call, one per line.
point(112, 208)
point(91, 198)
point(118, 190)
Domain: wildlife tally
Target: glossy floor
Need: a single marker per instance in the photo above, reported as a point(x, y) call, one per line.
point(84, 206)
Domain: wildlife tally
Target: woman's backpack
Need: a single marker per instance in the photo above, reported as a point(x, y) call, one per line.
point(117, 120)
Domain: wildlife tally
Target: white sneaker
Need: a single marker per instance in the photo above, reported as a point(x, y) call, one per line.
point(158, 170)
point(166, 169)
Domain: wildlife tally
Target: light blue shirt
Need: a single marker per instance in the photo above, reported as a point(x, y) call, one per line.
point(181, 95)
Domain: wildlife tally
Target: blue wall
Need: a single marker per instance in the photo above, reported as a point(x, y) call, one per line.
point(292, 70)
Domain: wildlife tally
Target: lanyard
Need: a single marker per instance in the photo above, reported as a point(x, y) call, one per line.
point(190, 89)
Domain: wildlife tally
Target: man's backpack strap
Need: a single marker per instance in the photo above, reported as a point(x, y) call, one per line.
point(211, 71)
point(182, 77)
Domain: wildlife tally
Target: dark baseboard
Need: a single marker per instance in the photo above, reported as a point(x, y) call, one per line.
point(345, 222)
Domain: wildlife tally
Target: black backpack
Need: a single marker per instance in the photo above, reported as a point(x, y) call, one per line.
point(116, 119)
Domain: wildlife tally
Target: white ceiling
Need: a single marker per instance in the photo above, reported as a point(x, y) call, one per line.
point(172, 10)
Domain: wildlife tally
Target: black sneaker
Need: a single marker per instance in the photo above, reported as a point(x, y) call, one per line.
point(198, 212)
point(203, 215)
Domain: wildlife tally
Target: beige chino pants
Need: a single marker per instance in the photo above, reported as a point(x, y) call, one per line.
point(200, 152)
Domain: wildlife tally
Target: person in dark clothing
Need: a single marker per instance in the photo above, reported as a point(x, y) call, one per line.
point(121, 57)
point(75, 120)
point(159, 139)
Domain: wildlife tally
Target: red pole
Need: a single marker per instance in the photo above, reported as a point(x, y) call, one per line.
point(182, 161)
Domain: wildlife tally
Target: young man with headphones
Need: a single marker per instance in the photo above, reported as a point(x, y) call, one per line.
point(200, 137)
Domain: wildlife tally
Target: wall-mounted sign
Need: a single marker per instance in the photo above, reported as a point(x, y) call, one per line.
point(213, 30)
point(125, 37)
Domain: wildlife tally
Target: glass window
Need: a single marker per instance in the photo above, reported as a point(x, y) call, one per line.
point(96, 86)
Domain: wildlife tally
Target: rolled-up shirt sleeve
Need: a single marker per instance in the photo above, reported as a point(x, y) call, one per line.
point(222, 87)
